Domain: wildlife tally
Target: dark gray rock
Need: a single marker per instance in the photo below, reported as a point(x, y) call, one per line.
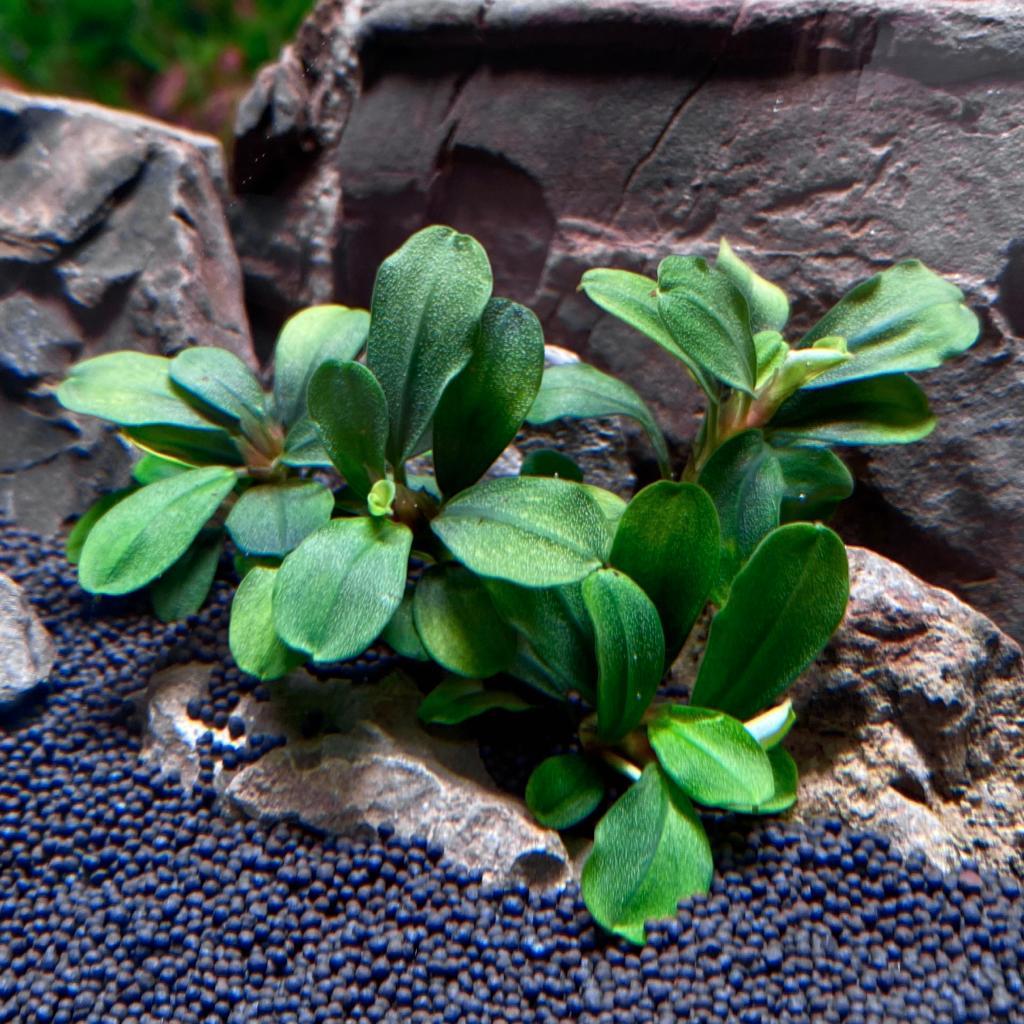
point(113, 236)
point(824, 140)
point(26, 650)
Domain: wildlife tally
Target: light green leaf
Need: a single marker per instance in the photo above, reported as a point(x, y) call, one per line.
point(877, 410)
point(456, 700)
point(630, 651)
point(771, 727)
point(303, 446)
point(181, 591)
point(273, 519)
point(668, 543)
point(767, 302)
point(784, 605)
point(483, 408)
point(785, 781)
point(903, 320)
point(351, 414)
point(255, 645)
point(146, 533)
point(151, 468)
point(548, 462)
point(311, 337)
point(458, 624)
point(219, 385)
point(340, 587)
point(427, 300)
point(535, 531)
point(381, 499)
point(710, 756)
point(578, 391)
point(564, 790)
point(612, 508)
point(400, 632)
point(708, 318)
point(815, 481)
point(83, 527)
point(650, 851)
point(771, 349)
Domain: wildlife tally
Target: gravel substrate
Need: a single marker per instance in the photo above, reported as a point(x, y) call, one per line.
point(125, 898)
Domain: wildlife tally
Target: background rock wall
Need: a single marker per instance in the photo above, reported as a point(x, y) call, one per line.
point(825, 141)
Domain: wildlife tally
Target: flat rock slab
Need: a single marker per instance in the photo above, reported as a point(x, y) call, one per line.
point(26, 649)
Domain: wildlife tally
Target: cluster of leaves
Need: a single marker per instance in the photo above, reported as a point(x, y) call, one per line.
point(539, 579)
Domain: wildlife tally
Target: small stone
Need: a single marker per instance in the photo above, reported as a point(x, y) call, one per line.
point(26, 650)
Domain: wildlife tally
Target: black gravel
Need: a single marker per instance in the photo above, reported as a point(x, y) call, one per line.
point(125, 898)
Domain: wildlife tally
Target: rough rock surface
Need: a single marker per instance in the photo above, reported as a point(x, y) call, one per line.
point(26, 650)
point(911, 723)
point(371, 763)
point(112, 235)
point(825, 140)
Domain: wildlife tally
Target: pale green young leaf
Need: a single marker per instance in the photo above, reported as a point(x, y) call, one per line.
point(254, 642)
point(273, 519)
point(381, 499)
point(455, 700)
point(771, 350)
point(767, 302)
point(564, 790)
point(182, 589)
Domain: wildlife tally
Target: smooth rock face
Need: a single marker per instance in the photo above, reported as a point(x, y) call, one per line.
point(112, 236)
point(26, 650)
point(826, 141)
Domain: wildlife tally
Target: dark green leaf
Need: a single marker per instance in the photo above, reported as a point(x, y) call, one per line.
point(304, 447)
point(213, 447)
point(710, 756)
point(181, 591)
point(273, 519)
point(78, 533)
point(815, 481)
point(902, 320)
point(708, 318)
point(536, 531)
point(340, 587)
point(784, 605)
point(351, 414)
point(785, 780)
point(548, 462)
point(630, 651)
point(650, 851)
point(768, 305)
point(255, 645)
point(309, 338)
point(877, 410)
point(564, 790)
point(579, 391)
point(151, 468)
point(144, 535)
point(668, 543)
point(456, 700)
point(427, 300)
point(400, 633)
point(219, 385)
point(483, 408)
point(458, 624)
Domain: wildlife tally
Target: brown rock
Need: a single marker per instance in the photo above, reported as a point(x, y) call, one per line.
point(26, 650)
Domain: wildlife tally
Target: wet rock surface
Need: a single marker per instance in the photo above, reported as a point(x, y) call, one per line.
point(26, 650)
point(824, 140)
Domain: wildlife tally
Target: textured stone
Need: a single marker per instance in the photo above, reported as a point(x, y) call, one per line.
point(824, 140)
point(26, 650)
point(112, 236)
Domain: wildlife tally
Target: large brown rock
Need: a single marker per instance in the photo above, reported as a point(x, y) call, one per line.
point(113, 236)
point(824, 140)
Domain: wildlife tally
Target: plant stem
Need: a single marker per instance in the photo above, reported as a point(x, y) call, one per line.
point(620, 764)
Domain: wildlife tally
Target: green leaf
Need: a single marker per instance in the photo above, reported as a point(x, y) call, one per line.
point(548, 462)
point(427, 300)
point(710, 756)
point(400, 632)
point(633, 298)
point(456, 700)
point(255, 645)
point(181, 591)
point(536, 531)
point(902, 320)
point(151, 468)
point(564, 790)
point(381, 499)
point(351, 414)
point(309, 338)
point(771, 349)
point(668, 543)
point(878, 410)
point(556, 637)
point(746, 484)
point(579, 391)
point(130, 389)
point(650, 851)
point(612, 508)
point(219, 385)
point(83, 527)
point(630, 651)
point(483, 408)
point(458, 624)
point(273, 519)
point(784, 605)
point(146, 533)
point(193, 447)
point(303, 446)
point(767, 302)
point(708, 318)
point(785, 778)
point(340, 587)
point(771, 727)
point(815, 481)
